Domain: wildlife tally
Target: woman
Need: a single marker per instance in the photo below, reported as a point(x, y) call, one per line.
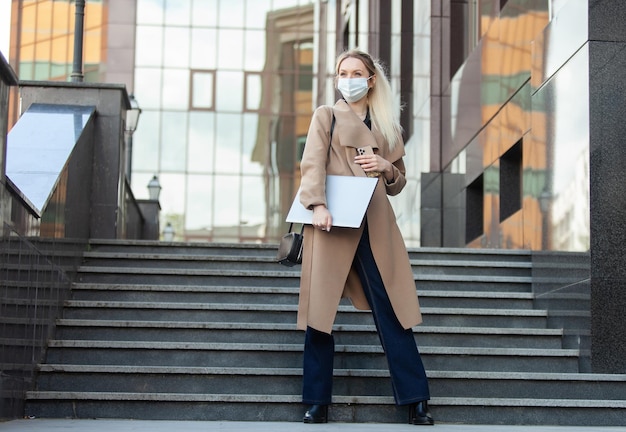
point(369, 265)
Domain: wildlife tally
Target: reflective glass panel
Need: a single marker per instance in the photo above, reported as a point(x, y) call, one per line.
point(229, 91)
point(253, 201)
point(204, 13)
point(42, 65)
point(201, 141)
point(172, 198)
point(146, 142)
point(149, 50)
point(203, 48)
point(29, 13)
point(173, 141)
point(230, 49)
point(147, 83)
point(176, 47)
point(175, 89)
point(228, 148)
point(202, 90)
point(226, 209)
point(254, 58)
point(256, 12)
point(150, 11)
point(198, 214)
point(231, 13)
point(39, 147)
point(253, 91)
point(250, 135)
point(177, 12)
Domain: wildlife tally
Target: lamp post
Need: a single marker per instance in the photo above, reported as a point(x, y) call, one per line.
point(168, 232)
point(132, 119)
point(77, 69)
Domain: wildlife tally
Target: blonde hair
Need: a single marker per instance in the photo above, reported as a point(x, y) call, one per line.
point(380, 98)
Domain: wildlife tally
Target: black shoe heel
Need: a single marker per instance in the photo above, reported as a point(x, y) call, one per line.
point(316, 414)
point(419, 414)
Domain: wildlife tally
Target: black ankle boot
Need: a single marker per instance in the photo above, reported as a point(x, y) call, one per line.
point(316, 414)
point(419, 414)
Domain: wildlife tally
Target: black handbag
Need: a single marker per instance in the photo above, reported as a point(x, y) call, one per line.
point(290, 248)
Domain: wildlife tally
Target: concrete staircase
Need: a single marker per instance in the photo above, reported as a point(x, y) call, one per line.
point(207, 332)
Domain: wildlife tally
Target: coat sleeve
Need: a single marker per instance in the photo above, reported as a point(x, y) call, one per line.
point(314, 158)
point(395, 186)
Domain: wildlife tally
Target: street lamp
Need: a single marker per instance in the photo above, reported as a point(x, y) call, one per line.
point(132, 119)
point(132, 115)
point(168, 232)
point(154, 189)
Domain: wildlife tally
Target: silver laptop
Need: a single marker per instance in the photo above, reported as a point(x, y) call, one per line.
point(347, 198)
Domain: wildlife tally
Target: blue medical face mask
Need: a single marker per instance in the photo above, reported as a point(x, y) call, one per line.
point(353, 89)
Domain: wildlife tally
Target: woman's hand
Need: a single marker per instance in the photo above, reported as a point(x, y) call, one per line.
point(322, 219)
point(374, 163)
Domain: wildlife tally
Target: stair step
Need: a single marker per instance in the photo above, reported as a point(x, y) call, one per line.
point(286, 333)
point(171, 379)
point(280, 295)
point(225, 407)
point(173, 330)
point(267, 355)
point(260, 262)
point(154, 311)
point(278, 276)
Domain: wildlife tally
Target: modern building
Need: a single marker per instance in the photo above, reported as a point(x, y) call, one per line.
point(510, 113)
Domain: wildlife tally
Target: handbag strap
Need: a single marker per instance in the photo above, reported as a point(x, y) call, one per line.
point(332, 128)
point(291, 227)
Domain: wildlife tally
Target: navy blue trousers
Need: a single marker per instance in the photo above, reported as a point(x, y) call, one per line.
point(408, 377)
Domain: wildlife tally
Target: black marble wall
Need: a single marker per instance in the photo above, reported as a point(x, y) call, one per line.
point(607, 110)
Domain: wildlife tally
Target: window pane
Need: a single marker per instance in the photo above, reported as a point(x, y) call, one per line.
point(256, 13)
point(201, 142)
point(149, 51)
point(227, 152)
point(147, 81)
point(229, 91)
point(250, 133)
point(176, 47)
point(198, 214)
point(227, 198)
point(28, 33)
point(42, 65)
point(230, 50)
point(202, 90)
point(231, 13)
point(173, 141)
point(150, 12)
point(204, 13)
point(172, 198)
point(175, 89)
point(253, 92)
point(255, 50)
point(60, 58)
point(44, 21)
point(177, 12)
point(145, 142)
point(203, 49)
point(253, 205)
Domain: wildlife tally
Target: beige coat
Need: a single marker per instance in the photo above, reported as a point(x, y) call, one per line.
point(327, 273)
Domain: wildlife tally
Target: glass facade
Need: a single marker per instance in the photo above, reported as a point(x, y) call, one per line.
point(46, 39)
point(495, 159)
point(226, 93)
